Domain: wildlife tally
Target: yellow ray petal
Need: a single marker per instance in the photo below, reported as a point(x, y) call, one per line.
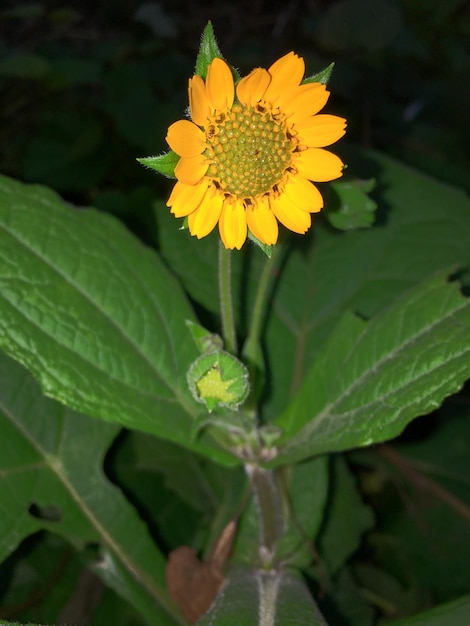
point(321, 130)
point(262, 222)
point(219, 85)
point(202, 221)
point(184, 199)
point(290, 215)
point(232, 224)
point(306, 101)
point(186, 139)
point(190, 170)
point(251, 89)
point(198, 101)
point(304, 194)
point(318, 165)
point(286, 74)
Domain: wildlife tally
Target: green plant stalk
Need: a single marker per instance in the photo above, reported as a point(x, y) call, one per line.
point(225, 299)
point(252, 345)
point(270, 510)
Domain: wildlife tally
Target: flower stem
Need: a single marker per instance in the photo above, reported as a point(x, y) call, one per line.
point(252, 348)
point(225, 299)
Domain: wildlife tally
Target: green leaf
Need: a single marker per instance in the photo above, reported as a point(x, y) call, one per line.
point(277, 598)
point(95, 315)
point(163, 164)
point(51, 478)
point(430, 468)
point(353, 207)
point(346, 518)
point(208, 51)
point(320, 77)
point(372, 378)
point(307, 485)
point(456, 613)
point(423, 226)
point(25, 65)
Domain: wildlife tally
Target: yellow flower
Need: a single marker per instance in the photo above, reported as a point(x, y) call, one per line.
point(251, 151)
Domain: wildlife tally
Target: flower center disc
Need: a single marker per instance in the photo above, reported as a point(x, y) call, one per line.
point(249, 151)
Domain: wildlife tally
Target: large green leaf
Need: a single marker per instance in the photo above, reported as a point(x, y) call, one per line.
point(455, 613)
point(371, 378)
point(51, 478)
point(423, 226)
point(258, 598)
point(94, 315)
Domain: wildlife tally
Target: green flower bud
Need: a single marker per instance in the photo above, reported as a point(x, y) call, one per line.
point(218, 379)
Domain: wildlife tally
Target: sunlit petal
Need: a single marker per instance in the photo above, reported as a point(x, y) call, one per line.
point(286, 74)
point(198, 101)
point(321, 130)
point(203, 221)
point(319, 165)
point(305, 102)
point(290, 215)
point(251, 89)
point(262, 222)
point(304, 194)
point(219, 85)
point(232, 225)
point(190, 170)
point(184, 199)
point(185, 138)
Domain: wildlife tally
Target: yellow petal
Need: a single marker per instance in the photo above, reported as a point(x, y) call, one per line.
point(304, 102)
point(318, 165)
point(185, 138)
point(184, 199)
point(203, 220)
point(251, 89)
point(290, 215)
point(321, 130)
point(190, 170)
point(286, 74)
point(219, 85)
point(262, 222)
point(304, 194)
point(198, 101)
point(232, 224)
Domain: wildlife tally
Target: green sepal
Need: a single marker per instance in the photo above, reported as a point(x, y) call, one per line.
point(268, 250)
point(205, 340)
point(320, 77)
point(208, 51)
point(218, 379)
point(163, 164)
point(350, 205)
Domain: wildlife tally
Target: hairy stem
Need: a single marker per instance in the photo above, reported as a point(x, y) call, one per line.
point(225, 299)
point(269, 501)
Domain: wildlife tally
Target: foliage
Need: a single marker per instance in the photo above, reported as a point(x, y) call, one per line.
point(109, 464)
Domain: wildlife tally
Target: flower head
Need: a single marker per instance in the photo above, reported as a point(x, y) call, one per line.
point(251, 151)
